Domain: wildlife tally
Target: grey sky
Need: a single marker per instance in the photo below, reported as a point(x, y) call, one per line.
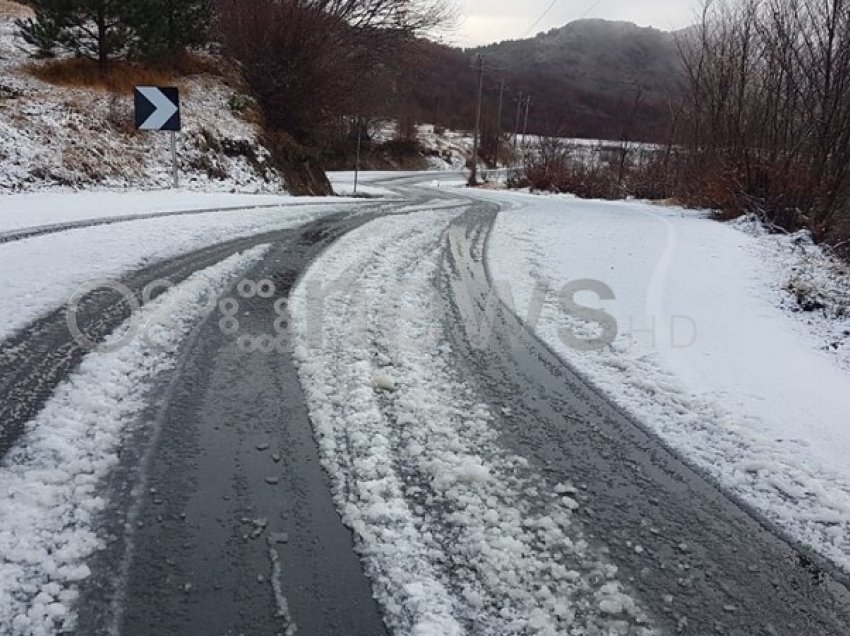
point(485, 21)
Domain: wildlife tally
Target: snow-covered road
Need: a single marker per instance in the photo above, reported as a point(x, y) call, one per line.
point(41, 273)
point(456, 533)
point(51, 484)
point(495, 481)
point(34, 210)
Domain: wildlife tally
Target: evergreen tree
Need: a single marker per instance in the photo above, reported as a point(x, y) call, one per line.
point(94, 29)
point(166, 27)
point(44, 32)
point(105, 30)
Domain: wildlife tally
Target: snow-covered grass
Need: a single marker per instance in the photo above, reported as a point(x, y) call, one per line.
point(40, 274)
point(80, 137)
point(50, 482)
point(810, 283)
point(457, 535)
point(709, 354)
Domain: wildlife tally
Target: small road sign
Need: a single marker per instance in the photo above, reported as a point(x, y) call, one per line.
point(157, 108)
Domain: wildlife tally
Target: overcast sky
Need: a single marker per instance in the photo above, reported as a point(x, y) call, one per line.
point(486, 21)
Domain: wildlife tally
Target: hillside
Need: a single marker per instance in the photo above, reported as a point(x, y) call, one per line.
point(595, 56)
point(584, 78)
point(59, 133)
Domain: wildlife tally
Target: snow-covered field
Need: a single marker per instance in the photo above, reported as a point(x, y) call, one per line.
point(457, 535)
point(450, 150)
point(40, 274)
point(710, 353)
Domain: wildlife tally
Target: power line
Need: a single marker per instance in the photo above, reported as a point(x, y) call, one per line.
point(552, 6)
point(592, 7)
point(541, 18)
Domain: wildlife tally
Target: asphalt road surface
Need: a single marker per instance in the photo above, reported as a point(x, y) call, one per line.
point(206, 517)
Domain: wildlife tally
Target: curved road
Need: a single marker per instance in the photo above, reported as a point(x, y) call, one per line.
point(206, 516)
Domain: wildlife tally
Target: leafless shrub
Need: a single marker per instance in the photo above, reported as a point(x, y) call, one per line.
point(766, 123)
point(602, 172)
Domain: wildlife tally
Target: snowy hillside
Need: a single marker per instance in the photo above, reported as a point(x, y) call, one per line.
point(80, 137)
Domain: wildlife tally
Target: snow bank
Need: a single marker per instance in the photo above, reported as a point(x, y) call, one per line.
point(51, 481)
point(707, 356)
point(456, 534)
point(812, 285)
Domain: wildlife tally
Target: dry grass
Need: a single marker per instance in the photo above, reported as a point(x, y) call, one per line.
point(120, 77)
point(14, 10)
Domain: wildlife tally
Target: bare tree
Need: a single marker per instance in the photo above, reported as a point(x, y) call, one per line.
point(766, 120)
point(311, 62)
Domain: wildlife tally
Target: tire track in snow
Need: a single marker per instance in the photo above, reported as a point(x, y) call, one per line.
point(698, 561)
point(236, 530)
point(52, 482)
point(458, 536)
point(54, 228)
point(35, 360)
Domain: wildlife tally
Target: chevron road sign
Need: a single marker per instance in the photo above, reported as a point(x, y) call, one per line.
point(157, 108)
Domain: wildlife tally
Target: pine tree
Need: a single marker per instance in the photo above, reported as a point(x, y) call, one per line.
point(94, 29)
point(104, 30)
point(44, 31)
point(166, 27)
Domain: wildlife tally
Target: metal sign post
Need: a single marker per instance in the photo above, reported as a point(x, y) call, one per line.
point(158, 108)
point(174, 168)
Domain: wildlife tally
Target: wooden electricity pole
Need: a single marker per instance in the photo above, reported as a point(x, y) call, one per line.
point(518, 117)
point(525, 128)
point(473, 178)
point(502, 89)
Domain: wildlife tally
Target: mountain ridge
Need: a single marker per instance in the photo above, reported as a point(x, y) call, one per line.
point(590, 78)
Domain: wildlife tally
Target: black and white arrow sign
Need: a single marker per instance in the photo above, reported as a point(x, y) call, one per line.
point(157, 108)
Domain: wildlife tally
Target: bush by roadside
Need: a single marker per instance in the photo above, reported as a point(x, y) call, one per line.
point(592, 172)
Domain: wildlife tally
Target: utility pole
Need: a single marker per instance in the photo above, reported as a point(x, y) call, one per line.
point(518, 116)
point(357, 162)
point(525, 128)
point(502, 89)
point(473, 178)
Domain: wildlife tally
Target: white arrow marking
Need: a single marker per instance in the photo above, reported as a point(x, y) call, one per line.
point(165, 108)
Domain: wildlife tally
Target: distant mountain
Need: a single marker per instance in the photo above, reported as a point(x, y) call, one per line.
point(597, 55)
point(585, 78)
